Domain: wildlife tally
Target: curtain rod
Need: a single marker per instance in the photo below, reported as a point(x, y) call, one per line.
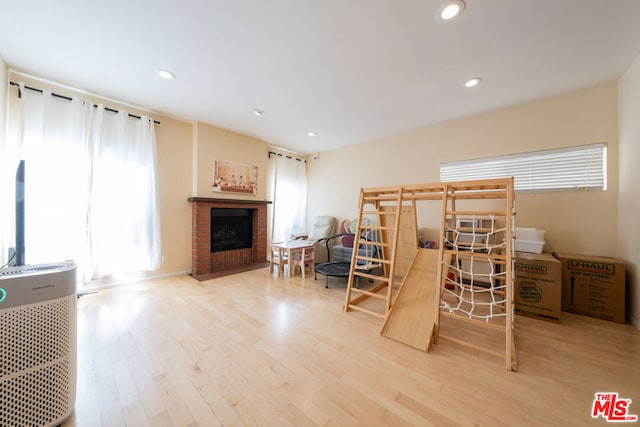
point(69, 99)
point(284, 155)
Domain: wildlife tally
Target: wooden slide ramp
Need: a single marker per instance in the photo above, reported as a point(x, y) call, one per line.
point(413, 315)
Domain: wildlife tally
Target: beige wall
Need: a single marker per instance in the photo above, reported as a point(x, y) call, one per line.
point(219, 144)
point(174, 148)
point(629, 198)
point(577, 221)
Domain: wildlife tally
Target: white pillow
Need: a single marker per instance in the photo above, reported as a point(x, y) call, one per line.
point(321, 228)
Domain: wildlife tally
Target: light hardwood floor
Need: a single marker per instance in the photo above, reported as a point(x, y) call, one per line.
point(250, 349)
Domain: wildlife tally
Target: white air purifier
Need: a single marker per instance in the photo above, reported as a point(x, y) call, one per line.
point(38, 312)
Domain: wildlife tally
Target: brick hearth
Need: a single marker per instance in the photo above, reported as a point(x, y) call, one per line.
point(203, 262)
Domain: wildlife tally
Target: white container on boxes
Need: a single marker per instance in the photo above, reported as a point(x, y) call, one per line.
point(529, 240)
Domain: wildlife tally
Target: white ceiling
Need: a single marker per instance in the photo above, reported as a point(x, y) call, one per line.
point(349, 70)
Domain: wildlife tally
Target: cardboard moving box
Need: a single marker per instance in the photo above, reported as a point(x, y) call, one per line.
point(593, 286)
point(538, 285)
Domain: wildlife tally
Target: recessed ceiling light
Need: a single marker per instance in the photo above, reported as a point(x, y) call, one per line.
point(473, 82)
point(311, 134)
point(165, 74)
point(258, 112)
point(450, 10)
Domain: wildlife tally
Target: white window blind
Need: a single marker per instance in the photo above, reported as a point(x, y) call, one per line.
point(575, 168)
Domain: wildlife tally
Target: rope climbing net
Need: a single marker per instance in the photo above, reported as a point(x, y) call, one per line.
point(476, 279)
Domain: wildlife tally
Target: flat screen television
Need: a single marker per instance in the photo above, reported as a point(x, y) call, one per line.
point(20, 214)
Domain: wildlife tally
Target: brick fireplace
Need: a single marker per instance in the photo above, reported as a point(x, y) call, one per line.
point(207, 260)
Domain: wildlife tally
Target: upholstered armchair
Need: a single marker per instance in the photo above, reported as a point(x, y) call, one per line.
point(323, 226)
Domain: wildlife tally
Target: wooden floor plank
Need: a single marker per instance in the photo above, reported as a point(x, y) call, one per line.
point(250, 349)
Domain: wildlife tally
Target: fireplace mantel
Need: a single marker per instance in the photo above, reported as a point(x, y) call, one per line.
point(206, 264)
point(212, 200)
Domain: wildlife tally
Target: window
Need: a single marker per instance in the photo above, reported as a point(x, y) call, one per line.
point(582, 167)
point(90, 180)
point(288, 190)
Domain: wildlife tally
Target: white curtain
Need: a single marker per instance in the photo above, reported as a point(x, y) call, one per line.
point(90, 186)
point(289, 198)
point(123, 215)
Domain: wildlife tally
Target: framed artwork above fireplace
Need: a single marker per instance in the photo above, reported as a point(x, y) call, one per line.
point(234, 178)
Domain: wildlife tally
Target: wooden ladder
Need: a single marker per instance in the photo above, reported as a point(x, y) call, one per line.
point(385, 205)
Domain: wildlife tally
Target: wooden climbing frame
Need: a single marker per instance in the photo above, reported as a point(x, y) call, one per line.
point(476, 229)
